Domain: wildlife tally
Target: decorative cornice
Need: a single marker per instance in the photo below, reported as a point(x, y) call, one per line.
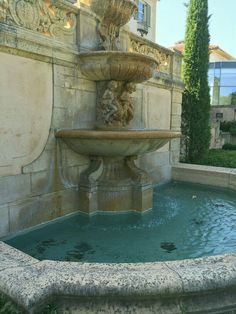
point(51, 18)
point(163, 55)
point(164, 59)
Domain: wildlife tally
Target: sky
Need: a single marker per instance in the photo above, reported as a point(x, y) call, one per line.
point(171, 21)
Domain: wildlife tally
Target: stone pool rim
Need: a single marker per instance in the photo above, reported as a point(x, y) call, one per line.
point(201, 285)
point(30, 282)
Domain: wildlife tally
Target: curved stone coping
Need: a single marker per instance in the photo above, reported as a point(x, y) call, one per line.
point(214, 176)
point(119, 134)
point(199, 284)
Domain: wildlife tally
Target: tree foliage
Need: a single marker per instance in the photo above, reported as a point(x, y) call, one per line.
point(196, 99)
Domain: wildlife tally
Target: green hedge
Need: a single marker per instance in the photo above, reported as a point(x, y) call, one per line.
point(228, 126)
point(229, 146)
point(220, 158)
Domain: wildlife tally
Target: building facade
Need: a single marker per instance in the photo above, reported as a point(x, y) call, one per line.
point(222, 82)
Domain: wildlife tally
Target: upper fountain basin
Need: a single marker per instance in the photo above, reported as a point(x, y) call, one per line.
point(116, 12)
point(115, 143)
point(117, 65)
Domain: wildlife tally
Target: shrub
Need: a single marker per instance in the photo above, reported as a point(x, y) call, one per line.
point(220, 158)
point(228, 126)
point(196, 99)
point(225, 126)
point(229, 146)
point(232, 130)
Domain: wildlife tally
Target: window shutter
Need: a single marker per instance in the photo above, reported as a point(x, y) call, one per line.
point(148, 15)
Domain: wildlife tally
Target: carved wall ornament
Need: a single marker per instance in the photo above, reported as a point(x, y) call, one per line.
point(161, 56)
point(38, 15)
point(116, 106)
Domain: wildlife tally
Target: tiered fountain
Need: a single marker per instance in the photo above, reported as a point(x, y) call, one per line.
point(113, 182)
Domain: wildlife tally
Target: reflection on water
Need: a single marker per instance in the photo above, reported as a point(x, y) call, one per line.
point(187, 221)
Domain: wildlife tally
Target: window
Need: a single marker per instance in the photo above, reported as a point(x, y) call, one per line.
point(222, 82)
point(143, 17)
point(227, 96)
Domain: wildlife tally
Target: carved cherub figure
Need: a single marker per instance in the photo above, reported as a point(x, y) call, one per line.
point(127, 102)
point(109, 103)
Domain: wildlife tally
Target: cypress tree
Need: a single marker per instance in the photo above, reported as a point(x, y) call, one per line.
point(196, 98)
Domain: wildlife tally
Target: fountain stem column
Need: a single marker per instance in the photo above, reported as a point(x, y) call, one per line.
point(114, 184)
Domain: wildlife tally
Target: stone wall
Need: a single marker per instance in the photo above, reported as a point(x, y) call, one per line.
point(42, 89)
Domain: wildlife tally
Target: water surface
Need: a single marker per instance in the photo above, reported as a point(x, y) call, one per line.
point(187, 221)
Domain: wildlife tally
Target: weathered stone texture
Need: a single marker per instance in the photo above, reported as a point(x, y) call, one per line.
point(215, 176)
point(176, 122)
point(176, 108)
point(26, 108)
point(13, 188)
point(174, 151)
point(158, 108)
point(32, 211)
point(4, 220)
point(232, 179)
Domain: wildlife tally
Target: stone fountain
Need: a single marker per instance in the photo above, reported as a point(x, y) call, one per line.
point(113, 182)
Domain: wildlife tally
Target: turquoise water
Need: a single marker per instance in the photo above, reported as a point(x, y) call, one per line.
point(187, 221)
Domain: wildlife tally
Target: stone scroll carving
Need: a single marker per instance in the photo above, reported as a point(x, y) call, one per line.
point(38, 15)
point(116, 106)
point(163, 57)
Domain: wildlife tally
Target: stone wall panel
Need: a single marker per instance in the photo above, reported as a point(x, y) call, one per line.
point(26, 109)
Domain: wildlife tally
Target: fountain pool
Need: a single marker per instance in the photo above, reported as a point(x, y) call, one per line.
point(187, 221)
point(162, 261)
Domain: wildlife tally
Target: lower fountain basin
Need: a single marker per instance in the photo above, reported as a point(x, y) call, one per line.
point(115, 143)
point(115, 65)
point(209, 218)
point(198, 285)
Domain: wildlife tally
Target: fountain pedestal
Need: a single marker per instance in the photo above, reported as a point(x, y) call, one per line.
point(114, 184)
